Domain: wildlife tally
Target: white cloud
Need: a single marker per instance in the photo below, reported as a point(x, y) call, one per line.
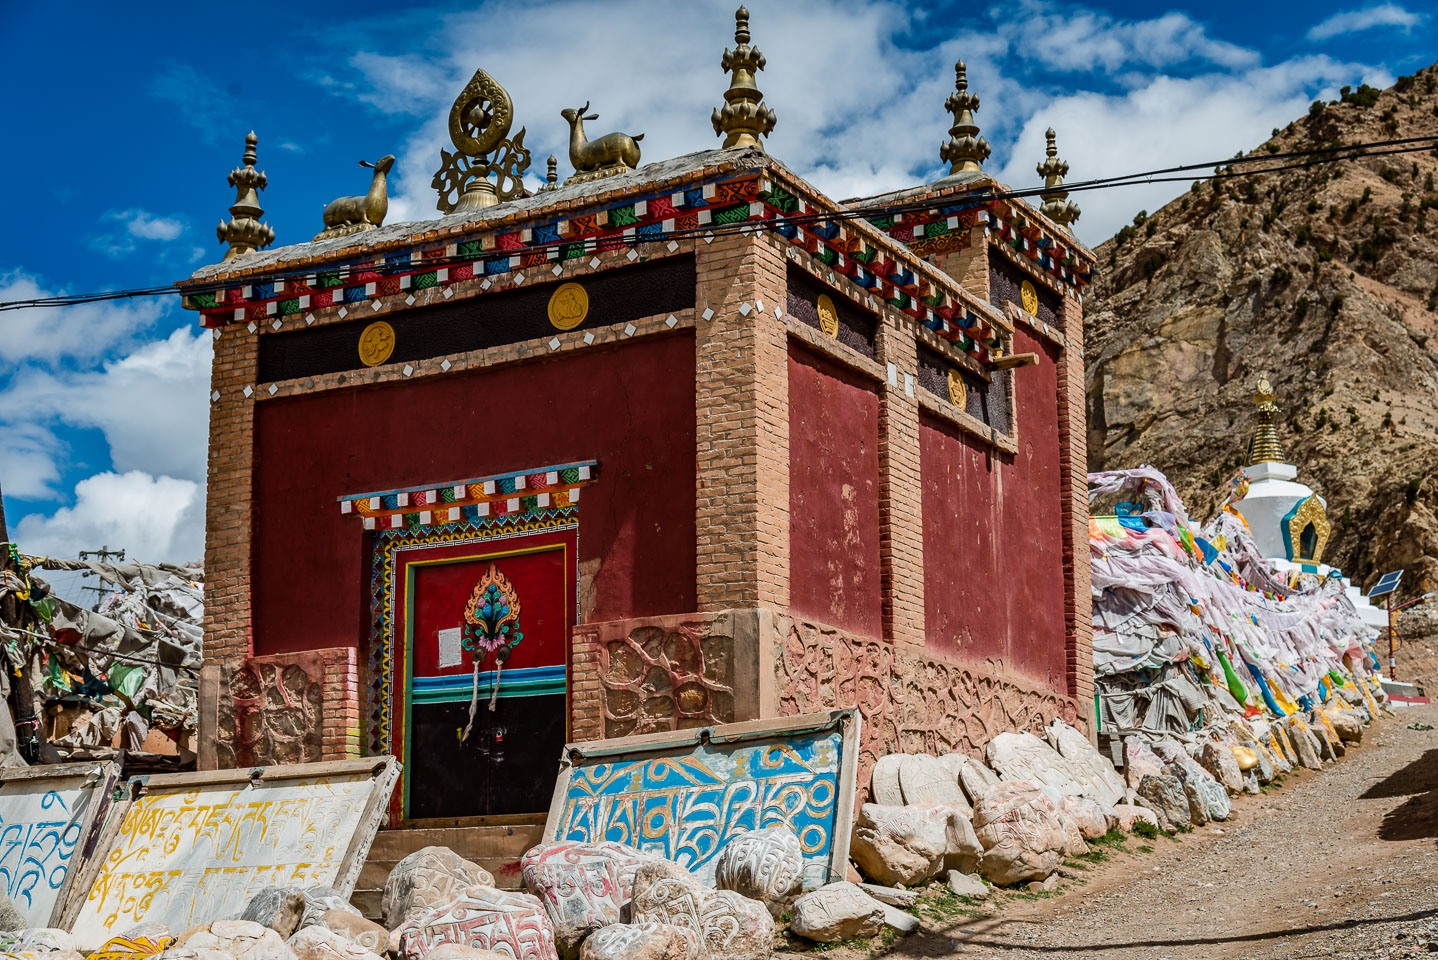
point(1165, 122)
point(80, 333)
point(153, 518)
point(152, 404)
point(1078, 40)
point(28, 470)
point(146, 225)
point(1355, 21)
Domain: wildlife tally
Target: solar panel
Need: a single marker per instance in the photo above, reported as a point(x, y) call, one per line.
point(1386, 584)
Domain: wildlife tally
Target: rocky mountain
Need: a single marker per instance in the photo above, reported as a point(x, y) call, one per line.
point(1323, 277)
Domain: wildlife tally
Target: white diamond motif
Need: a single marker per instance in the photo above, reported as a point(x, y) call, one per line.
point(594, 263)
point(629, 329)
point(554, 343)
point(408, 370)
point(588, 338)
point(273, 390)
point(445, 365)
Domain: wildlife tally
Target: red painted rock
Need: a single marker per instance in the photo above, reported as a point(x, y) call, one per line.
point(483, 917)
point(730, 926)
point(1022, 834)
point(583, 886)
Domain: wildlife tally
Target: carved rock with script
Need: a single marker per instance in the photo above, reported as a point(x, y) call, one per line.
point(1023, 756)
point(425, 879)
point(319, 900)
point(1022, 834)
point(839, 911)
point(641, 941)
point(1129, 814)
point(1139, 761)
point(483, 917)
point(238, 939)
point(730, 926)
point(319, 943)
point(356, 929)
point(765, 865)
point(975, 778)
point(1347, 724)
point(1090, 816)
point(1096, 773)
point(279, 908)
point(583, 886)
point(36, 940)
point(1165, 796)
point(900, 845)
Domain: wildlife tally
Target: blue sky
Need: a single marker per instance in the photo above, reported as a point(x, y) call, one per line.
point(125, 120)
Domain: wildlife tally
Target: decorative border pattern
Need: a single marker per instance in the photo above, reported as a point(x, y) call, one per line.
point(469, 501)
point(384, 588)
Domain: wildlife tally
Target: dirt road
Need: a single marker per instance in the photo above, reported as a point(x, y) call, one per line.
point(1337, 863)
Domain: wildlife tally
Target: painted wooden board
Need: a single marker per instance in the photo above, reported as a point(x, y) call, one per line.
point(46, 815)
point(683, 795)
point(193, 848)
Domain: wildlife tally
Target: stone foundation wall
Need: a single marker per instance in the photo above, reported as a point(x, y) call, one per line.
point(288, 708)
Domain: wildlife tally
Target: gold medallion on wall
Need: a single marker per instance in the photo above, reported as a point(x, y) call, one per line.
point(568, 306)
point(828, 315)
point(958, 390)
point(1030, 298)
point(376, 343)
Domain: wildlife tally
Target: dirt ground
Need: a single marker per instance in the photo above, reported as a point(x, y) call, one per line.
point(1338, 863)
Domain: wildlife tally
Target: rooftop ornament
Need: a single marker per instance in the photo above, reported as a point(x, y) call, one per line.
point(244, 233)
point(743, 119)
point(611, 154)
point(349, 215)
point(1263, 445)
point(551, 179)
point(966, 150)
point(479, 124)
point(1056, 206)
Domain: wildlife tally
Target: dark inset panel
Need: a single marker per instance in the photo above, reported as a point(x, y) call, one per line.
point(508, 764)
point(491, 320)
point(856, 326)
point(987, 401)
point(1005, 283)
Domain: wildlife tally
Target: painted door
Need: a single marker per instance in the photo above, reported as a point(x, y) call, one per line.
point(483, 705)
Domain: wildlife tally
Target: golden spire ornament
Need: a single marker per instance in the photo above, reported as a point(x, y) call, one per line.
point(479, 124)
point(966, 150)
point(1263, 445)
point(244, 233)
point(1056, 206)
point(744, 118)
point(551, 180)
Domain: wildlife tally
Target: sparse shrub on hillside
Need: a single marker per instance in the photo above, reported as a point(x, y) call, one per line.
point(1365, 96)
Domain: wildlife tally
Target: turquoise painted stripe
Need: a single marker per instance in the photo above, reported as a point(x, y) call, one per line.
point(522, 682)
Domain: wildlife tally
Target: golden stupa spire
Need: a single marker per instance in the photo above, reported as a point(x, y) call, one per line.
point(966, 150)
point(1263, 445)
point(244, 233)
point(1056, 206)
point(744, 117)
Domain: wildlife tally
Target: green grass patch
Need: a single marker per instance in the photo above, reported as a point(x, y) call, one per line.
point(1114, 838)
point(943, 904)
point(1145, 848)
point(1142, 828)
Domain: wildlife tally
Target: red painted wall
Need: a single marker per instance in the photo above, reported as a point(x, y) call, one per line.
point(630, 407)
point(833, 495)
point(993, 551)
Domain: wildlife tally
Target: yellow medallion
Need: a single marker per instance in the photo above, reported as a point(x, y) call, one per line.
point(828, 315)
point(376, 343)
point(1030, 297)
point(958, 390)
point(568, 306)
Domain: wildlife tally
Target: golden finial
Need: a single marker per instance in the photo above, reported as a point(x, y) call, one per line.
point(244, 233)
point(744, 117)
point(1263, 445)
point(1056, 206)
point(479, 123)
point(966, 150)
point(551, 180)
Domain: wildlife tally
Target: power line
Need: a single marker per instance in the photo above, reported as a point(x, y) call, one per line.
point(1223, 170)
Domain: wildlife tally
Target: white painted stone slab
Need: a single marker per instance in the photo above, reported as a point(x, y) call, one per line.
point(926, 780)
point(884, 786)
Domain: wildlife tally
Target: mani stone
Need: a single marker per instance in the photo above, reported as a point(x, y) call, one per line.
point(1166, 796)
point(1264, 766)
point(765, 865)
point(1220, 762)
point(319, 900)
point(425, 879)
point(641, 941)
point(1021, 832)
point(730, 926)
point(1208, 790)
point(1304, 744)
point(893, 896)
point(1023, 756)
point(1100, 780)
point(976, 779)
point(1128, 815)
point(953, 764)
point(10, 916)
point(839, 911)
point(900, 845)
point(1346, 723)
point(458, 951)
point(356, 929)
point(1139, 761)
point(926, 780)
point(584, 886)
point(237, 939)
point(884, 786)
point(480, 916)
point(1089, 815)
point(37, 940)
point(318, 943)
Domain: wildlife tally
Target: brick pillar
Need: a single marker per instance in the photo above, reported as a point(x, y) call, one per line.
point(901, 495)
point(741, 374)
point(970, 265)
point(1073, 464)
point(586, 690)
point(227, 517)
point(340, 704)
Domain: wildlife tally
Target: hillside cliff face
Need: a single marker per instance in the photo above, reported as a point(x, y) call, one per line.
point(1326, 279)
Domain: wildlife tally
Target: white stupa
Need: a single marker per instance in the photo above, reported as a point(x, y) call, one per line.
point(1289, 522)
